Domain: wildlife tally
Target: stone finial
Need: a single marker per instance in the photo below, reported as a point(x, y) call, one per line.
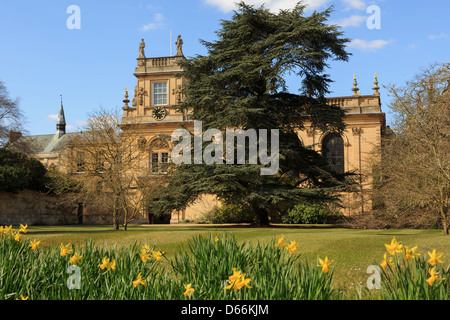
point(125, 101)
point(355, 88)
point(376, 87)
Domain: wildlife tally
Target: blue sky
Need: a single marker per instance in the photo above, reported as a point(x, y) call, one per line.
point(41, 58)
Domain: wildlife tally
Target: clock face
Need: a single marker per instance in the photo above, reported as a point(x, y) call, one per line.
point(159, 113)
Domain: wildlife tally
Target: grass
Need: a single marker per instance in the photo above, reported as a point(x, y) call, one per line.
point(352, 250)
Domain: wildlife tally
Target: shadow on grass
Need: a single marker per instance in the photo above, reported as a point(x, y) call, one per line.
point(138, 228)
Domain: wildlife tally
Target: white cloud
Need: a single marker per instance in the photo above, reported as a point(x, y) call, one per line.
point(368, 45)
point(352, 21)
point(53, 116)
point(158, 21)
point(69, 127)
point(81, 122)
point(354, 4)
point(273, 5)
point(439, 36)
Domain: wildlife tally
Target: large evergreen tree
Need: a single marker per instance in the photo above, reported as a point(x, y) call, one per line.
point(241, 83)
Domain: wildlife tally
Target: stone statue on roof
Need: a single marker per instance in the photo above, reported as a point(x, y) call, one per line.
point(141, 49)
point(179, 44)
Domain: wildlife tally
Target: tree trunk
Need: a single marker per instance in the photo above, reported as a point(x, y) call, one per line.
point(261, 217)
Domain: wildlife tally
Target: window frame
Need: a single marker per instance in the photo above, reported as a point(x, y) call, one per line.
point(165, 94)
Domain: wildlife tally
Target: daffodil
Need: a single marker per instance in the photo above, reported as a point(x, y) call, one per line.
point(433, 277)
point(393, 247)
point(243, 282)
point(411, 253)
point(235, 276)
point(65, 249)
point(107, 264)
point(34, 244)
point(237, 281)
point(189, 289)
point(22, 298)
point(280, 241)
point(387, 262)
point(216, 239)
point(7, 230)
point(292, 246)
point(139, 281)
point(157, 255)
point(23, 228)
point(434, 257)
point(112, 265)
point(325, 264)
point(75, 259)
point(17, 236)
point(144, 256)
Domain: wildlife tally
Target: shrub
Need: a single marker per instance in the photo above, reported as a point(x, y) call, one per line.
point(306, 213)
point(228, 214)
point(17, 172)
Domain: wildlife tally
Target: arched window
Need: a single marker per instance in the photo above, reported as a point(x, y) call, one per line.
point(333, 151)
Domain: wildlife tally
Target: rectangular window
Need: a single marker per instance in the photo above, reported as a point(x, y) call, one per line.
point(159, 162)
point(164, 161)
point(159, 92)
point(79, 159)
point(155, 162)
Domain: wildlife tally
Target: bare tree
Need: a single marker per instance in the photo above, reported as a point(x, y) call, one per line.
point(111, 166)
point(415, 170)
point(11, 117)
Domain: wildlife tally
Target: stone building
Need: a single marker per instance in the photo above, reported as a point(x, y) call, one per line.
point(158, 90)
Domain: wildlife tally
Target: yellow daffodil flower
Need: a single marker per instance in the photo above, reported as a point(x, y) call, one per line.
point(104, 264)
point(325, 264)
point(23, 228)
point(7, 230)
point(107, 264)
point(188, 290)
point(75, 259)
point(157, 255)
point(22, 298)
point(235, 276)
point(411, 253)
point(434, 257)
point(216, 239)
point(139, 281)
point(144, 256)
point(65, 249)
point(280, 241)
point(387, 262)
point(433, 277)
point(34, 244)
point(17, 236)
point(237, 281)
point(394, 247)
point(292, 246)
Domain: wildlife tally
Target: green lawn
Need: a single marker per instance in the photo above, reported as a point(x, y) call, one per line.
point(352, 250)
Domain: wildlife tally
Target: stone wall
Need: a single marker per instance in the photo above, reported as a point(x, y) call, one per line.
point(35, 208)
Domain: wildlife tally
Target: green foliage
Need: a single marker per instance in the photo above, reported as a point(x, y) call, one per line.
point(241, 84)
point(275, 273)
point(230, 214)
point(306, 213)
point(18, 172)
